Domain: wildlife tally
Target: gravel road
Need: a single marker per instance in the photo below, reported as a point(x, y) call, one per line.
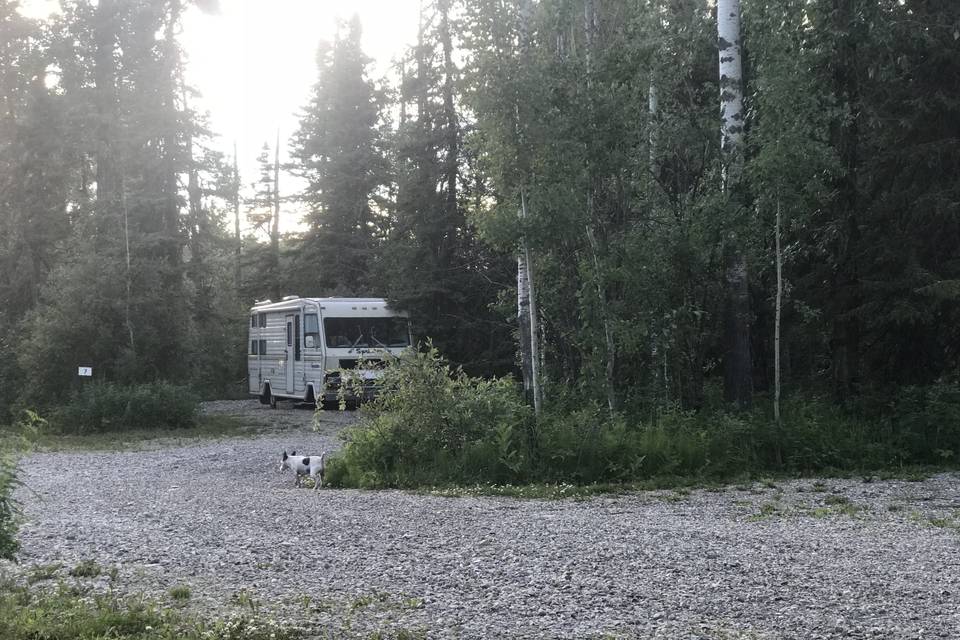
point(799, 559)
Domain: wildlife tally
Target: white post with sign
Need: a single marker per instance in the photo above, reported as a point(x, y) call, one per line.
point(85, 372)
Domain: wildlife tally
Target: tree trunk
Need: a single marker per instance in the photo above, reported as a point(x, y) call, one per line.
point(845, 341)
point(653, 105)
point(197, 224)
point(731, 88)
point(608, 340)
point(452, 134)
point(737, 364)
point(776, 320)
point(589, 30)
point(534, 319)
point(105, 91)
point(238, 246)
point(526, 294)
point(776, 337)
point(275, 229)
point(523, 320)
point(738, 386)
point(170, 217)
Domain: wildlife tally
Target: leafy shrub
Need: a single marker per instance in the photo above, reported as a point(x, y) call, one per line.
point(113, 407)
point(431, 423)
point(436, 426)
point(8, 506)
point(28, 423)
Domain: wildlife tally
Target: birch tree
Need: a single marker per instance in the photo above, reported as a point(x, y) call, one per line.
point(738, 386)
point(527, 316)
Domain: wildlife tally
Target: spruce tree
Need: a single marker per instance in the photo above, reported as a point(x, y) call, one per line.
point(433, 263)
point(339, 147)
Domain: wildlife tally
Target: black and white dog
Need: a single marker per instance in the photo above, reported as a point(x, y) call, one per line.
point(312, 466)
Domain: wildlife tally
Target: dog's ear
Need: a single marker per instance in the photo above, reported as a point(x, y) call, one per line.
point(293, 453)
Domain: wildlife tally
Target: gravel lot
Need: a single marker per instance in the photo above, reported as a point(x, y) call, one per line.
point(802, 559)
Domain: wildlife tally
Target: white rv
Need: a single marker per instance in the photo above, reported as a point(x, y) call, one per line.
point(298, 346)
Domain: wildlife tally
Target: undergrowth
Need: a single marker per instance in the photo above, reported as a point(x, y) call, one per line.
point(109, 407)
point(66, 614)
point(434, 426)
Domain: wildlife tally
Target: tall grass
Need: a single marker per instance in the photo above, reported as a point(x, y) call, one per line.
point(11, 443)
point(434, 425)
point(108, 407)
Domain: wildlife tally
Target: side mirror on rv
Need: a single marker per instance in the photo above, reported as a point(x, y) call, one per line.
point(308, 342)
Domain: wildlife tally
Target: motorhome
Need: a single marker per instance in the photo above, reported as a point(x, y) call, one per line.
point(298, 346)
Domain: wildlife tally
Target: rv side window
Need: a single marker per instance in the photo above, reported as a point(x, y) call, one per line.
point(263, 347)
point(253, 347)
point(311, 329)
point(253, 321)
point(263, 319)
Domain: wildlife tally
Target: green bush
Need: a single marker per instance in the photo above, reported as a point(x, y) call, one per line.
point(436, 426)
point(113, 407)
point(10, 444)
point(8, 506)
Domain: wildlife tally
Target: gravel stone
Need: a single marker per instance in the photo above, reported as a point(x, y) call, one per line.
point(799, 559)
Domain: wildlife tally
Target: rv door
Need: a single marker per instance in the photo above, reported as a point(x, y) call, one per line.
point(290, 360)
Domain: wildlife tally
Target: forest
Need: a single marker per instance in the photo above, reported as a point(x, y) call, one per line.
point(629, 207)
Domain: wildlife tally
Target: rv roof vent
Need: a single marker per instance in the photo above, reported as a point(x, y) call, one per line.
point(291, 297)
point(267, 301)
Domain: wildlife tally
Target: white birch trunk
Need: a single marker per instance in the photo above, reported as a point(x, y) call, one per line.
point(527, 317)
point(534, 319)
point(731, 87)
point(737, 361)
point(653, 105)
point(523, 319)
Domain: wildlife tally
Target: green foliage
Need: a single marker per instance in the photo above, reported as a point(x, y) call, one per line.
point(339, 149)
point(433, 263)
point(180, 592)
point(9, 508)
point(12, 441)
point(114, 407)
point(432, 423)
point(434, 426)
point(86, 569)
point(850, 132)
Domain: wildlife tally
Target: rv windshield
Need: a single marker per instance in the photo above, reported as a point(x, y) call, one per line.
point(367, 333)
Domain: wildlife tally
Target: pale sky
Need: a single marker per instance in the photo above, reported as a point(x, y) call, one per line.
point(255, 62)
